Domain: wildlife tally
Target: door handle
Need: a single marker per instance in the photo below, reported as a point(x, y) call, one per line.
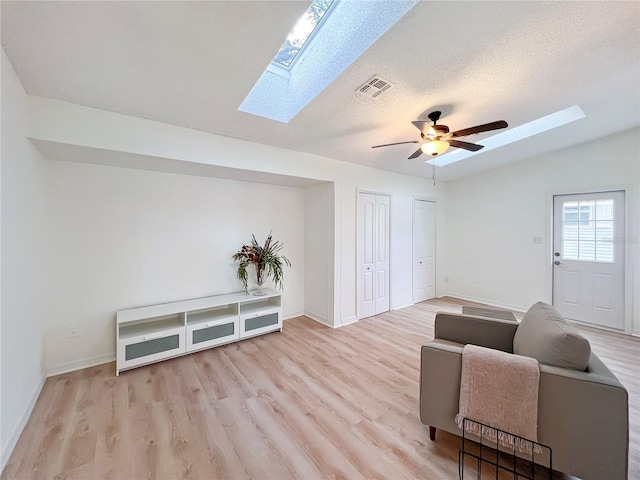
point(558, 263)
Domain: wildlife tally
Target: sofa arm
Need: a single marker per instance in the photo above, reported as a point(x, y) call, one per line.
point(485, 332)
point(440, 372)
point(583, 417)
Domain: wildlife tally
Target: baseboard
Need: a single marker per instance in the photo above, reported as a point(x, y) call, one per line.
point(493, 303)
point(289, 316)
point(632, 333)
point(318, 319)
point(80, 364)
point(349, 321)
point(401, 306)
point(22, 422)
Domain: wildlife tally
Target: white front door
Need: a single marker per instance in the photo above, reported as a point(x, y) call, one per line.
point(373, 254)
point(588, 257)
point(424, 250)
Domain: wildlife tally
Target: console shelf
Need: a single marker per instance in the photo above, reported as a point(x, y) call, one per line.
point(150, 327)
point(259, 305)
point(213, 315)
point(150, 334)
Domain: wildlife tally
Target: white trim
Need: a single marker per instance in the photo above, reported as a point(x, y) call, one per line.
point(334, 302)
point(413, 247)
point(492, 303)
point(80, 364)
point(349, 321)
point(401, 306)
point(384, 194)
point(427, 198)
point(278, 69)
point(22, 422)
point(289, 316)
point(629, 197)
point(318, 319)
point(595, 326)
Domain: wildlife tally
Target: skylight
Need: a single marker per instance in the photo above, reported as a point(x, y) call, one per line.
point(526, 130)
point(301, 32)
point(345, 31)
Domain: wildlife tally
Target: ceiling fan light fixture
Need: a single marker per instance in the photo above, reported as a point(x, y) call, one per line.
point(435, 147)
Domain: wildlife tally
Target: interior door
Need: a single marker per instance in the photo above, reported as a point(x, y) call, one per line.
point(382, 253)
point(366, 265)
point(588, 258)
point(424, 250)
point(373, 254)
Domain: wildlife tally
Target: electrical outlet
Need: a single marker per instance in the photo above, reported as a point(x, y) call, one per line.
point(537, 240)
point(446, 279)
point(72, 331)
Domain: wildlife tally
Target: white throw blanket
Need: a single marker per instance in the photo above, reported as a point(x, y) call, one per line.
point(500, 389)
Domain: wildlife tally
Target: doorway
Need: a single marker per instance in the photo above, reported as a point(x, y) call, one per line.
point(424, 250)
point(589, 257)
point(373, 254)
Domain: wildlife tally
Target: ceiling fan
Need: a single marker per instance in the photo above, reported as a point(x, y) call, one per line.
point(437, 138)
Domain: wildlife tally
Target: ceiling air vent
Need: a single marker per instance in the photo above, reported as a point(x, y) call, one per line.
point(374, 87)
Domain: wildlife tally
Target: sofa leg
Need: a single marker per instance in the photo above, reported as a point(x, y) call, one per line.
point(432, 433)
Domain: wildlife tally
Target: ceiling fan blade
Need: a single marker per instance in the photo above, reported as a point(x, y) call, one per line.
point(399, 143)
point(487, 127)
point(466, 145)
point(421, 125)
point(426, 127)
point(415, 154)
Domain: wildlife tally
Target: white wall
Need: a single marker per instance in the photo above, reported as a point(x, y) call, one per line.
point(24, 247)
point(70, 124)
point(318, 247)
point(122, 238)
point(492, 217)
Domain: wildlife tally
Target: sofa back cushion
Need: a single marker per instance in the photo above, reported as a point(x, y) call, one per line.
point(544, 335)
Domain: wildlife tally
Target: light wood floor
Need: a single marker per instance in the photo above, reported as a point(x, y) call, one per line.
point(310, 402)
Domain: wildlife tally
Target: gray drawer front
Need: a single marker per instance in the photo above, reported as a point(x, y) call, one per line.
point(259, 322)
point(211, 333)
point(149, 347)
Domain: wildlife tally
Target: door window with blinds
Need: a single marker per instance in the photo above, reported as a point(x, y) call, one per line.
point(588, 230)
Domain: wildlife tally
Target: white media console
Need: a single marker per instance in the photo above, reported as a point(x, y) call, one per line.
point(150, 334)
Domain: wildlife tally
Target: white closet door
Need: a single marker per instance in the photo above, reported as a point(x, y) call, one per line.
point(373, 254)
point(424, 250)
point(382, 254)
point(366, 264)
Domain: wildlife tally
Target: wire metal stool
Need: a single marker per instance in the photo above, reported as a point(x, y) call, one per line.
point(520, 467)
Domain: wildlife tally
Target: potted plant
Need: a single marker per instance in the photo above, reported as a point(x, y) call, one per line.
point(265, 259)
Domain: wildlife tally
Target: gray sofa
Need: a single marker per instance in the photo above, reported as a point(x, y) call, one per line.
point(582, 407)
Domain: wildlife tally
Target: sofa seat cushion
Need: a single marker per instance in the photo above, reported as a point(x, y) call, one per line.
point(545, 335)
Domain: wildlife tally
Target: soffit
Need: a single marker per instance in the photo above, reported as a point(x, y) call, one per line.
point(192, 63)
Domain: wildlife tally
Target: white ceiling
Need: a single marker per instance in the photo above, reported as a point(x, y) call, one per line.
point(191, 64)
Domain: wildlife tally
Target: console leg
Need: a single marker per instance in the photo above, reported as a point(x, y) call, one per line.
point(432, 433)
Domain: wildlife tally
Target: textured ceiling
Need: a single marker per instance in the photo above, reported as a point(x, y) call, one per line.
point(192, 63)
